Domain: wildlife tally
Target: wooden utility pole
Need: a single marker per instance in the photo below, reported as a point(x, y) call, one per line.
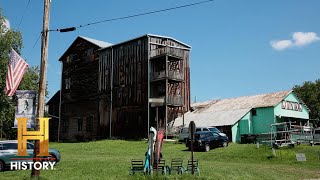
point(42, 82)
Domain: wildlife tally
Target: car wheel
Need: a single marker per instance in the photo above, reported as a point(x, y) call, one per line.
point(224, 144)
point(2, 165)
point(207, 148)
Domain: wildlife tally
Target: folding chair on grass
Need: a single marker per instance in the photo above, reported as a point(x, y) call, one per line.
point(136, 166)
point(176, 166)
point(161, 167)
point(195, 165)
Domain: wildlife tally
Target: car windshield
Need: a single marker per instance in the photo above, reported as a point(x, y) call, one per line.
point(30, 146)
point(213, 129)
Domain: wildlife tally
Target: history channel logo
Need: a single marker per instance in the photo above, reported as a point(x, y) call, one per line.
point(44, 161)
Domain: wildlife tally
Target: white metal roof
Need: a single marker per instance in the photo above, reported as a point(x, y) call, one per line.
point(218, 118)
point(101, 44)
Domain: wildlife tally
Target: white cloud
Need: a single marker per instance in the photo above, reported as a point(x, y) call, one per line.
point(281, 44)
point(298, 39)
point(301, 38)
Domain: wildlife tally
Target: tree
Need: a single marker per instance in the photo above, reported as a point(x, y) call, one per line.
point(8, 39)
point(12, 39)
point(309, 93)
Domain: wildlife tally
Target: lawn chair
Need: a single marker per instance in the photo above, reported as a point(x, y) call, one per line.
point(136, 166)
point(195, 166)
point(161, 167)
point(176, 166)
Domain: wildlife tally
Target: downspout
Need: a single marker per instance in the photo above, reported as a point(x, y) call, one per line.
point(111, 93)
point(59, 123)
point(148, 84)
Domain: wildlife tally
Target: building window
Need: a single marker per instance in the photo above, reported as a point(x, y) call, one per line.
point(254, 112)
point(68, 83)
point(89, 124)
point(89, 54)
point(80, 122)
point(68, 59)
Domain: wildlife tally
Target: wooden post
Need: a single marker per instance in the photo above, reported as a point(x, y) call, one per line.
point(42, 83)
point(192, 129)
point(1, 128)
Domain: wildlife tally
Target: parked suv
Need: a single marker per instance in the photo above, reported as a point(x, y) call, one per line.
point(212, 129)
point(184, 132)
point(206, 140)
point(9, 149)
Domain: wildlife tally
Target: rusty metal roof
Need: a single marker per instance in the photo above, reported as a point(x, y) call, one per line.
point(228, 111)
point(217, 118)
point(256, 101)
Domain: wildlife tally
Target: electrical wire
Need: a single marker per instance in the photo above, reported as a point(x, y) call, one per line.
point(114, 19)
point(131, 16)
point(25, 11)
point(34, 45)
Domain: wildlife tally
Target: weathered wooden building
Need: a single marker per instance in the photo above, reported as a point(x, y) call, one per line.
point(53, 111)
point(99, 78)
point(132, 72)
point(79, 88)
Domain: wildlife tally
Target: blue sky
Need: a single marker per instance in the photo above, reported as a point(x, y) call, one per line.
point(238, 47)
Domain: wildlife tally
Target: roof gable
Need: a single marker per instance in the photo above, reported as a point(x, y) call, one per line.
point(186, 46)
point(54, 99)
point(98, 43)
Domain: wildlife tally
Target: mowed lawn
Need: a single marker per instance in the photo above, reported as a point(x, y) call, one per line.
point(110, 159)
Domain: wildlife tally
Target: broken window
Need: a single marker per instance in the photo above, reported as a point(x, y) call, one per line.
point(80, 122)
point(68, 83)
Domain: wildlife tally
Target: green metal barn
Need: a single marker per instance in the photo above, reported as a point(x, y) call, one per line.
point(248, 115)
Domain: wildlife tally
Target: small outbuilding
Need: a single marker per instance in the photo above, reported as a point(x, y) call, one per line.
point(248, 115)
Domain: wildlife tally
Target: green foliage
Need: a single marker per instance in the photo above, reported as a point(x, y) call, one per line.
point(12, 39)
point(8, 39)
point(110, 159)
point(309, 92)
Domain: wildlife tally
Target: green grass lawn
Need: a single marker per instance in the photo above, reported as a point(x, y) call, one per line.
point(110, 159)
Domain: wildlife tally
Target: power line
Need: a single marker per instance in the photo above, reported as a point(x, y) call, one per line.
point(131, 16)
point(23, 14)
point(34, 45)
point(116, 19)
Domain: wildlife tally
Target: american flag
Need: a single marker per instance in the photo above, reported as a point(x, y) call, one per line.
point(16, 69)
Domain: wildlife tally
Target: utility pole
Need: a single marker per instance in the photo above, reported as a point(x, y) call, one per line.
point(42, 83)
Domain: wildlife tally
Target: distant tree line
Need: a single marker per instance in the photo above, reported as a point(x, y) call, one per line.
point(309, 93)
